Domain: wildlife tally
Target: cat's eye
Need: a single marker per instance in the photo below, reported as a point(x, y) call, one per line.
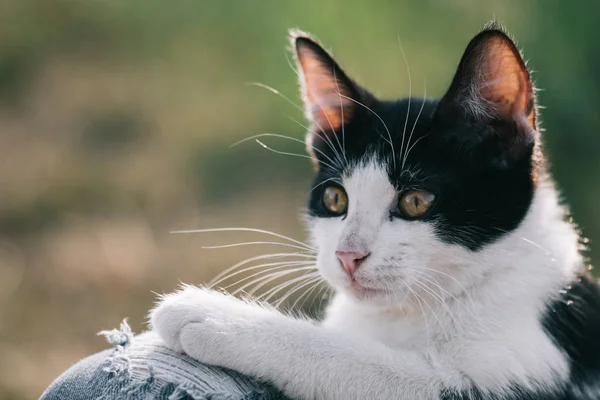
point(415, 203)
point(335, 200)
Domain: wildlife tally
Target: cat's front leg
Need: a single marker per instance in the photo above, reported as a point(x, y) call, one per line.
point(213, 316)
point(305, 360)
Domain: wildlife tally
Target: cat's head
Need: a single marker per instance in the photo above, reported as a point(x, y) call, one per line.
point(412, 191)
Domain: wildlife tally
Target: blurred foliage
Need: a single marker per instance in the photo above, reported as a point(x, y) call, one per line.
point(117, 117)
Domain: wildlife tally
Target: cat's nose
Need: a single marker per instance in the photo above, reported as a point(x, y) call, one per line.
point(351, 260)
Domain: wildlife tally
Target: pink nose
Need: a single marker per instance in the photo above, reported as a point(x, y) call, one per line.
point(351, 260)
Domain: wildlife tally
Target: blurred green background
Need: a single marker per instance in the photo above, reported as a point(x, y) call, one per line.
point(116, 119)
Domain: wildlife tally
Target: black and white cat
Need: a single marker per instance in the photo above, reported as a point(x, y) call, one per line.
point(457, 275)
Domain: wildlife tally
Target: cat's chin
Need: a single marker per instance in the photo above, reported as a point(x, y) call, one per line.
point(363, 293)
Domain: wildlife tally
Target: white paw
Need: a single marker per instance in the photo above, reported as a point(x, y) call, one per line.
point(202, 322)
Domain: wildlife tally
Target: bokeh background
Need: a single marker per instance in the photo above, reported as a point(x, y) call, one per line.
point(116, 120)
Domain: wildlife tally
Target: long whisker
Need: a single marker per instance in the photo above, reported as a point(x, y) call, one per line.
point(439, 299)
point(224, 246)
point(330, 127)
point(275, 265)
point(431, 293)
point(272, 292)
point(332, 130)
point(342, 115)
point(460, 285)
point(409, 91)
point(286, 153)
point(297, 288)
point(244, 229)
point(286, 53)
point(261, 257)
point(277, 92)
point(265, 279)
point(414, 125)
point(324, 139)
point(270, 278)
point(276, 289)
point(323, 294)
point(281, 137)
point(415, 143)
point(380, 119)
point(306, 295)
point(434, 281)
point(414, 294)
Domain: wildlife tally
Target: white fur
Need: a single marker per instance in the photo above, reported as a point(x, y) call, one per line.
point(477, 320)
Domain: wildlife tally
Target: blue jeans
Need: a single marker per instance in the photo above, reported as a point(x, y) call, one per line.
point(141, 367)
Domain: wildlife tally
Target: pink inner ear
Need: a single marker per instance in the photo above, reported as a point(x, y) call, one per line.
point(504, 82)
point(326, 97)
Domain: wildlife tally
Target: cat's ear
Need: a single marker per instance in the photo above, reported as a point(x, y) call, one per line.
point(492, 80)
point(330, 98)
point(492, 88)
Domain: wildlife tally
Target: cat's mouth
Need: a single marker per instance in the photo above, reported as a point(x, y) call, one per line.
point(361, 290)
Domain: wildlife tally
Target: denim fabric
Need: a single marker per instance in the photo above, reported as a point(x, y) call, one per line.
point(141, 367)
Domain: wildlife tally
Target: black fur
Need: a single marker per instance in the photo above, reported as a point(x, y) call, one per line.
point(476, 201)
point(573, 322)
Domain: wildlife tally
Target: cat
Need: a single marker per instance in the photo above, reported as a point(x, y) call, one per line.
point(456, 270)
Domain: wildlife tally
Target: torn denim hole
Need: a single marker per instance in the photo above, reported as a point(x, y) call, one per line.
point(141, 367)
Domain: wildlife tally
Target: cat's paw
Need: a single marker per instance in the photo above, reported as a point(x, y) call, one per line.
point(201, 321)
point(186, 306)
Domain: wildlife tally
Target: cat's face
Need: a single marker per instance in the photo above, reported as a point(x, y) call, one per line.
point(408, 194)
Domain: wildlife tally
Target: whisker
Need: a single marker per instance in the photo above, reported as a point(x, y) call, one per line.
point(432, 295)
point(417, 141)
point(390, 290)
point(433, 282)
point(436, 283)
point(298, 287)
point(324, 139)
point(277, 92)
point(286, 153)
point(321, 294)
point(536, 245)
point(380, 119)
point(440, 300)
point(409, 91)
point(244, 229)
point(306, 295)
point(243, 270)
point(414, 125)
point(286, 53)
point(224, 246)
point(281, 137)
point(342, 114)
point(273, 291)
point(332, 130)
point(261, 257)
point(265, 279)
point(460, 285)
point(421, 307)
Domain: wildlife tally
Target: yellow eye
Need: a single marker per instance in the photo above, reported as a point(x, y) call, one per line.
point(415, 203)
point(335, 200)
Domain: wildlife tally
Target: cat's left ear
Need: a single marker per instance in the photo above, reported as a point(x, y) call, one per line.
point(492, 86)
point(331, 99)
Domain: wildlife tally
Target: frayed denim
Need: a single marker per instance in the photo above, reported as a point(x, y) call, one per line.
point(141, 367)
